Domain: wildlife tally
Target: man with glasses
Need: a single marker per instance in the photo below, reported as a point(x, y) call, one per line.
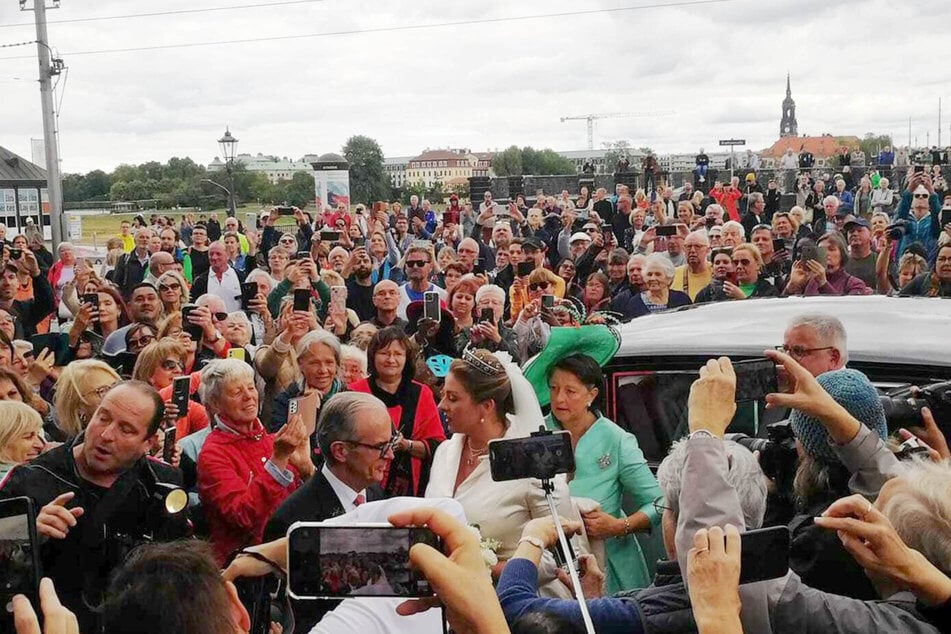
point(418, 266)
point(697, 272)
point(920, 209)
point(818, 342)
point(355, 436)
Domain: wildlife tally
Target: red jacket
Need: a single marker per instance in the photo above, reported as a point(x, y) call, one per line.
point(237, 494)
point(728, 199)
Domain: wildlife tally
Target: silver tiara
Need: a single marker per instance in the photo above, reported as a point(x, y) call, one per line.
point(493, 368)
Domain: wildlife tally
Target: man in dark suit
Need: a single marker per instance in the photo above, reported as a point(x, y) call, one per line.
point(355, 437)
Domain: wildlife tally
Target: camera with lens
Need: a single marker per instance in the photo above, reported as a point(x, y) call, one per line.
point(903, 407)
point(777, 453)
point(896, 230)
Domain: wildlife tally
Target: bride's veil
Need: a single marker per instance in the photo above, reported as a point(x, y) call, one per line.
point(528, 413)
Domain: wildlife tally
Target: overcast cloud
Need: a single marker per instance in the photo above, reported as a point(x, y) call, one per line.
point(857, 66)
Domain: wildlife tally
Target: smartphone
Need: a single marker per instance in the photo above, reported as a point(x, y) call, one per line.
point(487, 315)
point(919, 169)
point(181, 386)
point(237, 353)
point(329, 236)
point(194, 331)
point(19, 557)
point(16, 254)
point(338, 300)
point(945, 217)
point(755, 379)
point(666, 231)
point(249, 292)
point(479, 267)
point(285, 211)
point(359, 242)
point(607, 229)
point(764, 554)
point(779, 244)
point(90, 298)
point(808, 252)
point(548, 302)
point(301, 255)
point(302, 299)
point(338, 561)
point(168, 447)
point(293, 405)
point(561, 557)
point(58, 342)
point(524, 269)
point(542, 456)
point(431, 306)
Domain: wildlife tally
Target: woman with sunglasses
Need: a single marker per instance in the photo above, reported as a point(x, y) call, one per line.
point(139, 335)
point(173, 291)
point(747, 264)
point(392, 366)
point(526, 289)
point(920, 209)
point(566, 271)
point(159, 364)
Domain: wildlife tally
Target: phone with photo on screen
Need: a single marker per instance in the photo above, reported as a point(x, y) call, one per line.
point(338, 300)
point(339, 561)
point(19, 557)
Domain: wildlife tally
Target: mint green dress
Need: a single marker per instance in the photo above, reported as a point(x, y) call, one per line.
point(608, 464)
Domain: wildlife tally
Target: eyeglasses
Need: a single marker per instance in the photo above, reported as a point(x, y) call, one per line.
point(919, 196)
point(659, 505)
point(798, 352)
point(416, 263)
point(219, 316)
point(99, 391)
point(383, 447)
point(534, 286)
point(172, 364)
point(142, 341)
point(943, 259)
point(170, 287)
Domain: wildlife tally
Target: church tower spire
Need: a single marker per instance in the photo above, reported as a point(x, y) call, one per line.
point(788, 125)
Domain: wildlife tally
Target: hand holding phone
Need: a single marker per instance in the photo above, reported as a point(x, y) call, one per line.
point(19, 557)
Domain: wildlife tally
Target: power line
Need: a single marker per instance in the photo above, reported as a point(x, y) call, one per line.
point(163, 13)
point(390, 29)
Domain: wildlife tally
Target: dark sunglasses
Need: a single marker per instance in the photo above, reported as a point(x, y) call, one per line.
point(416, 263)
point(921, 195)
point(169, 287)
point(172, 364)
point(219, 316)
point(144, 340)
point(534, 286)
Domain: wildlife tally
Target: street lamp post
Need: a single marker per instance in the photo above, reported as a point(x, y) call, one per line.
point(228, 143)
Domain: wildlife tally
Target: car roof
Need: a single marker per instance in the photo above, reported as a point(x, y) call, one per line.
point(901, 330)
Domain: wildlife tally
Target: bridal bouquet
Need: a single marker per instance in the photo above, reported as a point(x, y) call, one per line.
point(489, 546)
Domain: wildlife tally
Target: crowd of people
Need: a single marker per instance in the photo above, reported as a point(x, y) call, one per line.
point(212, 384)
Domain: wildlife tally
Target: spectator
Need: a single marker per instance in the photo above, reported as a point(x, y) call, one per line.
point(159, 364)
point(221, 280)
point(172, 291)
point(69, 483)
point(244, 473)
point(920, 210)
point(412, 409)
point(27, 313)
point(723, 272)
point(144, 307)
point(132, 267)
point(21, 435)
point(353, 364)
point(727, 196)
point(697, 272)
point(733, 234)
point(597, 293)
point(812, 278)
point(937, 282)
point(657, 295)
point(419, 266)
point(882, 196)
point(386, 298)
point(78, 392)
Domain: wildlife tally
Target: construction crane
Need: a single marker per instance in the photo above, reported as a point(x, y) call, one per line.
point(591, 118)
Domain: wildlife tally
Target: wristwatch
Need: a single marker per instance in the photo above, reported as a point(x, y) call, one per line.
point(534, 541)
point(701, 433)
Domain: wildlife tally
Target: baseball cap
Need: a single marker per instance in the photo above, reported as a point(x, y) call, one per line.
point(858, 222)
point(575, 237)
point(532, 244)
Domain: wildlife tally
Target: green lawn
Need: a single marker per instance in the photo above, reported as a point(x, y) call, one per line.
point(99, 228)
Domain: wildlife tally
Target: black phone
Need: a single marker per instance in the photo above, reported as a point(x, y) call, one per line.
point(19, 557)
point(327, 561)
point(487, 315)
point(666, 231)
point(16, 254)
point(285, 211)
point(755, 379)
point(329, 236)
point(249, 292)
point(548, 302)
point(301, 255)
point(808, 252)
point(710, 223)
point(523, 269)
point(919, 169)
point(431, 306)
point(181, 385)
point(479, 267)
point(359, 242)
point(90, 298)
point(302, 299)
point(779, 244)
point(945, 217)
point(764, 554)
point(58, 342)
point(193, 330)
point(168, 448)
point(541, 456)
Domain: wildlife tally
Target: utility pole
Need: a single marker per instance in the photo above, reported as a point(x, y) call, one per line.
point(47, 70)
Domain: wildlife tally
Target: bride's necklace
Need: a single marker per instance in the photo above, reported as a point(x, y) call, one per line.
point(474, 454)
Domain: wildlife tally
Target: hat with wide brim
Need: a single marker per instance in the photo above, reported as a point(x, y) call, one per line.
point(599, 342)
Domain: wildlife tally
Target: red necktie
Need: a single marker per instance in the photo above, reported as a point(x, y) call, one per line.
point(360, 499)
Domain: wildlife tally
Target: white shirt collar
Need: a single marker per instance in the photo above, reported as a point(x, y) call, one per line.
point(344, 493)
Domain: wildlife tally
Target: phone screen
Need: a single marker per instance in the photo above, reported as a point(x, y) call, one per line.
point(369, 560)
point(540, 457)
point(523, 269)
point(764, 554)
point(19, 559)
point(945, 217)
point(548, 302)
point(301, 299)
point(338, 299)
point(431, 306)
point(755, 379)
point(666, 231)
point(487, 315)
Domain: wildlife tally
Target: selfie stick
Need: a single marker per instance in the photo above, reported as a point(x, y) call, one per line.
point(549, 487)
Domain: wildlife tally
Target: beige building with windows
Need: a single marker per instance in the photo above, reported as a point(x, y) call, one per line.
point(450, 167)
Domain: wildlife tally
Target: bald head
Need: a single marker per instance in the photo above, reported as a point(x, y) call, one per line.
point(160, 262)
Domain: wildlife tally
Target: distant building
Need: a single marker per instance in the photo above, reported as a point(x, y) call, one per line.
point(396, 168)
point(23, 194)
point(788, 125)
point(274, 168)
point(449, 166)
point(824, 148)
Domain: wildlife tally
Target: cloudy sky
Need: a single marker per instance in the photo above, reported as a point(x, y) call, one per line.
point(505, 75)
